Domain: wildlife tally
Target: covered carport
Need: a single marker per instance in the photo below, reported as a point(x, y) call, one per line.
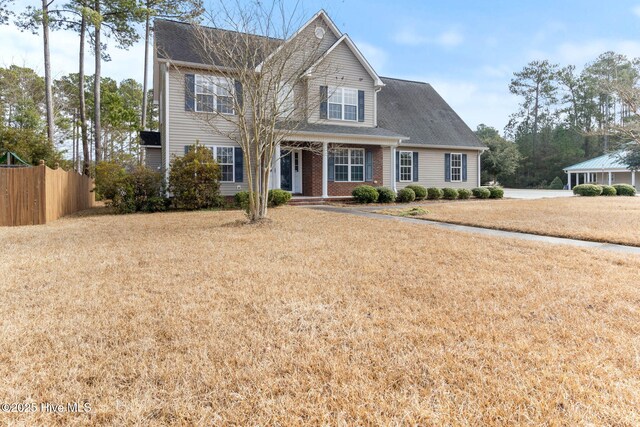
point(607, 169)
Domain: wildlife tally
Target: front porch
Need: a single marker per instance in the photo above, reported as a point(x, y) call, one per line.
point(326, 170)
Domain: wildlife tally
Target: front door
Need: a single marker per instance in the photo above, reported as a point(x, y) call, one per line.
point(291, 171)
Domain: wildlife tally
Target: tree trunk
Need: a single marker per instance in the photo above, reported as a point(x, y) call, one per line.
point(47, 71)
point(146, 66)
point(81, 97)
point(96, 87)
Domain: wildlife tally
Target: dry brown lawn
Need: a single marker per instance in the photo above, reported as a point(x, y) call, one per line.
point(316, 318)
point(601, 219)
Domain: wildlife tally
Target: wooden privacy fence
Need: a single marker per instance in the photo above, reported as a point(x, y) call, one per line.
point(37, 195)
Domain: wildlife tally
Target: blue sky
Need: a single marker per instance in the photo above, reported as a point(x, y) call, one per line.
point(467, 49)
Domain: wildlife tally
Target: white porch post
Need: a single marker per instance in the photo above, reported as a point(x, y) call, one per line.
point(394, 187)
point(584, 178)
point(569, 180)
point(609, 177)
point(325, 170)
point(276, 168)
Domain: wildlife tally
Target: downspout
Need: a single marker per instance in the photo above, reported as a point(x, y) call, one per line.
point(166, 118)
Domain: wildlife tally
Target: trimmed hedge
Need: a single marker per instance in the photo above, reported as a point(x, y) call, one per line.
point(449, 193)
point(496, 192)
point(365, 194)
point(278, 197)
point(421, 192)
point(608, 190)
point(588, 190)
point(624, 190)
point(463, 193)
point(406, 195)
point(434, 193)
point(481, 193)
point(386, 195)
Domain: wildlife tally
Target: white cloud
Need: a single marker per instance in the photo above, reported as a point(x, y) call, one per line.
point(25, 49)
point(636, 10)
point(587, 51)
point(411, 37)
point(376, 56)
point(489, 102)
point(497, 71)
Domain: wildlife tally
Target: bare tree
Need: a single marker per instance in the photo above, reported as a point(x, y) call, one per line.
point(262, 69)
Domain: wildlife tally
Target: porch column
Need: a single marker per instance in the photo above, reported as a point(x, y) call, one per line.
point(585, 178)
point(569, 180)
point(325, 170)
point(633, 178)
point(277, 177)
point(609, 177)
point(393, 169)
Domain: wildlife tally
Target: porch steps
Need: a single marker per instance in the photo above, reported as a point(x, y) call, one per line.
point(306, 201)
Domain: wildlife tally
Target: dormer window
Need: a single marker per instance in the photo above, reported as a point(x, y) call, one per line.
point(343, 103)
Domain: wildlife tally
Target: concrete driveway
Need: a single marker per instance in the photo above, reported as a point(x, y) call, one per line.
point(515, 193)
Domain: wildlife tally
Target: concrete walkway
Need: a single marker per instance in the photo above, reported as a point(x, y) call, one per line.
point(483, 231)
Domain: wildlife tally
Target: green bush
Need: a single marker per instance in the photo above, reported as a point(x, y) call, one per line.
point(241, 199)
point(449, 193)
point(110, 177)
point(141, 190)
point(481, 193)
point(556, 184)
point(278, 197)
point(194, 180)
point(608, 190)
point(365, 194)
point(406, 195)
point(434, 193)
point(463, 193)
point(421, 192)
point(495, 192)
point(386, 195)
point(624, 190)
point(588, 190)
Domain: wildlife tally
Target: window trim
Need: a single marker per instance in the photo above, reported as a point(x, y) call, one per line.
point(350, 165)
point(451, 167)
point(400, 166)
point(332, 90)
point(215, 80)
point(214, 152)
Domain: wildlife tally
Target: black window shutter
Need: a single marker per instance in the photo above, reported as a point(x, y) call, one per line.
point(464, 168)
point(415, 166)
point(330, 165)
point(368, 165)
point(187, 148)
point(397, 166)
point(238, 89)
point(361, 106)
point(189, 92)
point(447, 167)
point(324, 91)
point(239, 164)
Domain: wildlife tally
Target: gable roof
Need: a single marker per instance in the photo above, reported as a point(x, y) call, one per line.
point(416, 110)
point(320, 14)
point(606, 161)
point(178, 41)
point(356, 52)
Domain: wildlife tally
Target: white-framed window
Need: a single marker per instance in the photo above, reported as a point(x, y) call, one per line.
point(285, 99)
point(456, 167)
point(348, 164)
point(225, 158)
point(343, 104)
point(406, 166)
point(213, 94)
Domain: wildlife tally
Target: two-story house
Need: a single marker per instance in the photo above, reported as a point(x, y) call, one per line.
point(372, 130)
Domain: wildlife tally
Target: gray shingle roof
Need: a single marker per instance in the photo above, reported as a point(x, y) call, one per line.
point(179, 41)
point(416, 110)
point(347, 130)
